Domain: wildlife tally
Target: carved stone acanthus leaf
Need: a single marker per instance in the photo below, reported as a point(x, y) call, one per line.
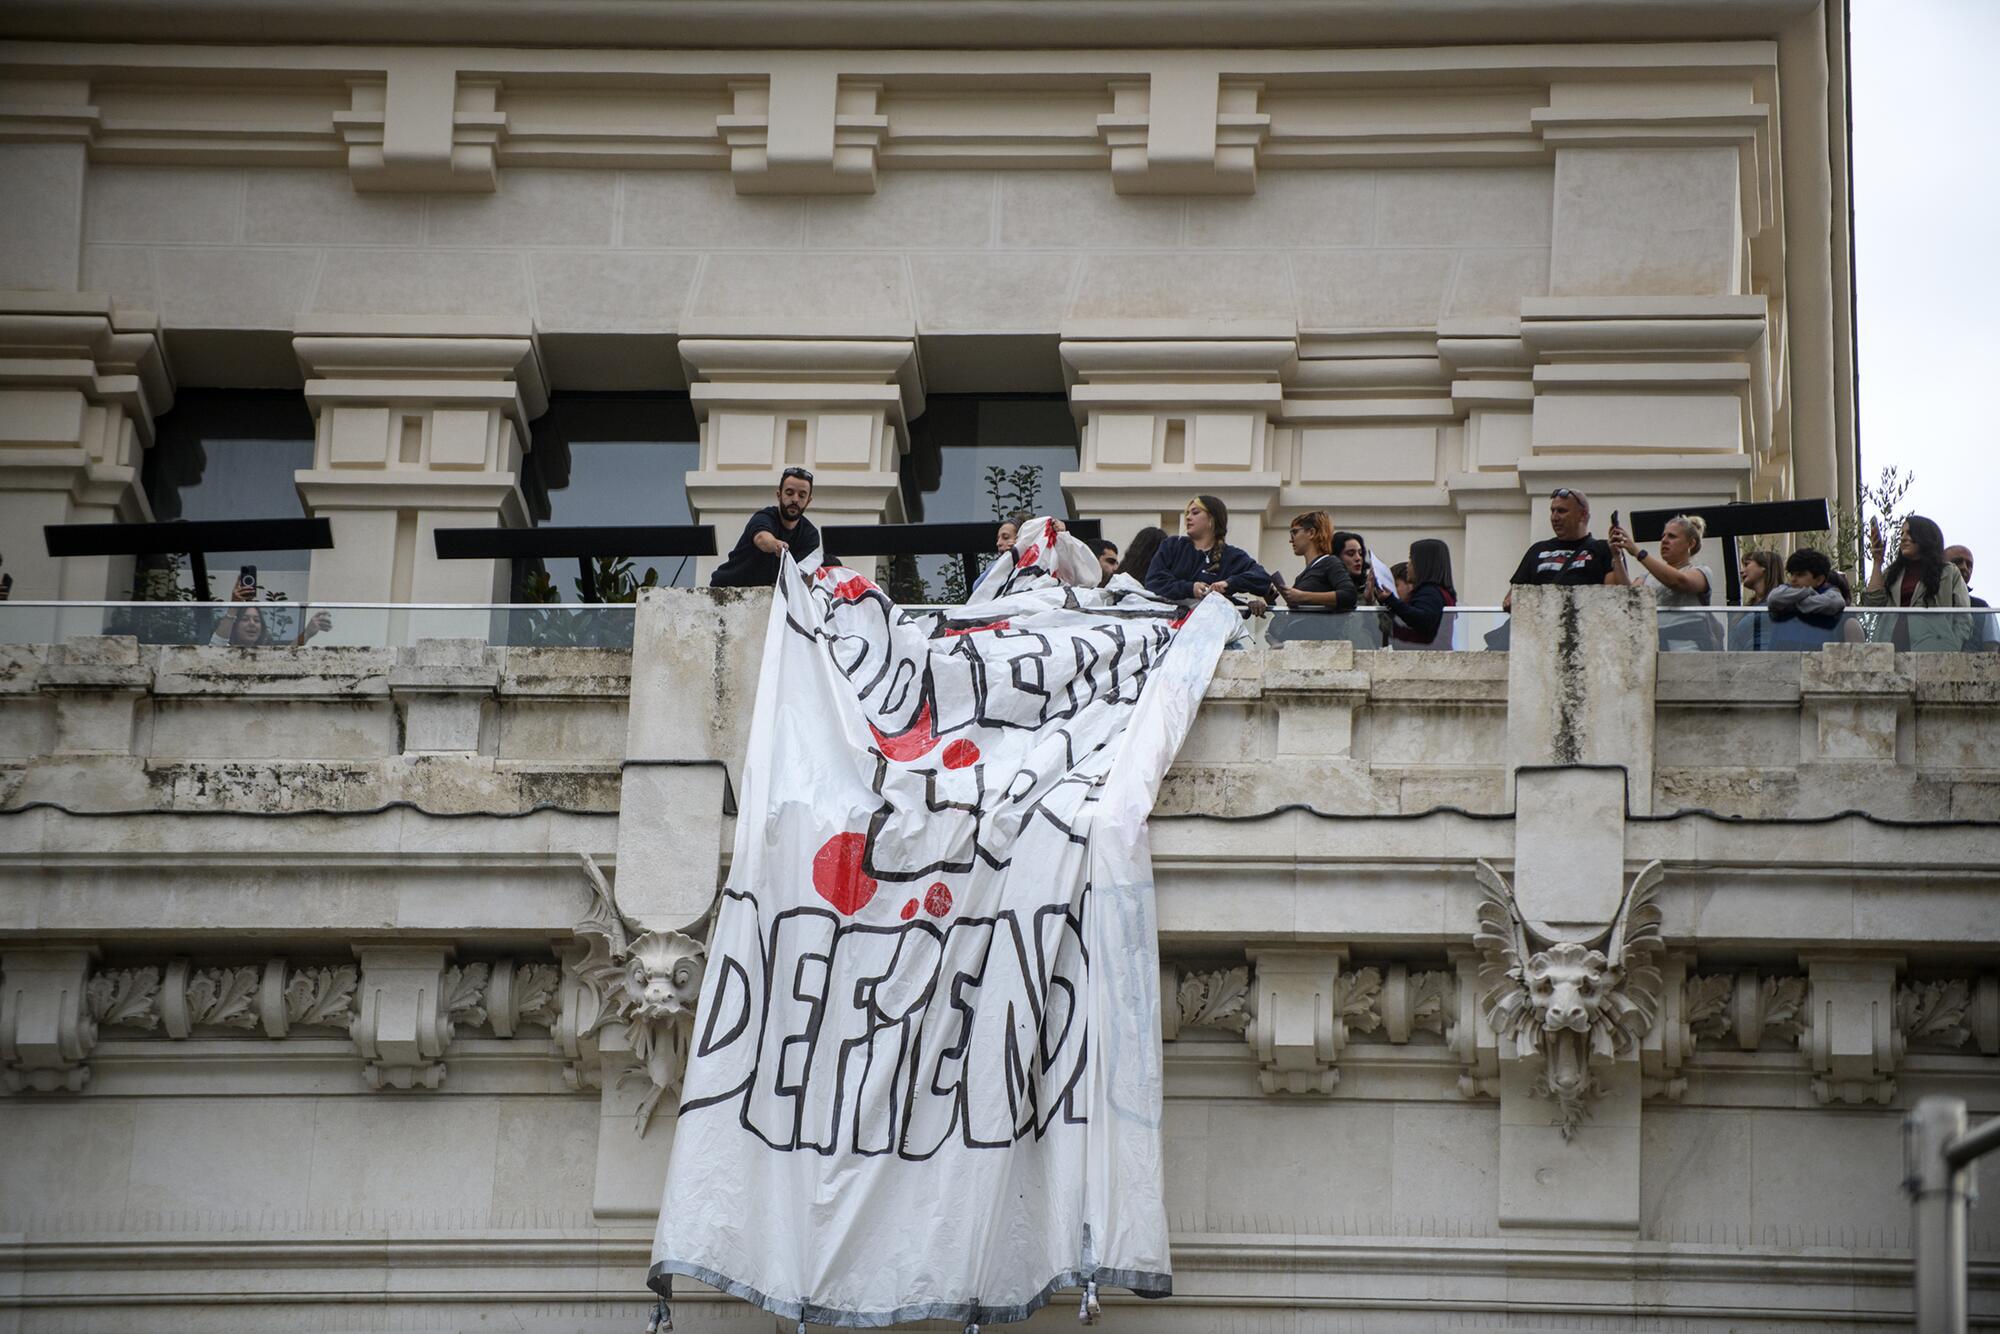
point(126, 998)
point(1220, 999)
point(536, 988)
point(644, 988)
point(321, 996)
point(1357, 996)
point(1706, 1002)
point(1566, 1004)
point(1430, 1001)
point(223, 997)
point(464, 989)
point(1934, 1013)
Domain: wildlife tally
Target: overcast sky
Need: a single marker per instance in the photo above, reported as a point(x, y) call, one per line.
point(1927, 245)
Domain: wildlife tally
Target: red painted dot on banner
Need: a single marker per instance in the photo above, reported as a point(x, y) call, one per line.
point(838, 874)
point(1030, 556)
point(959, 754)
point(909, 910)
point(937, 900)
point(911, 743)
point(853, 590)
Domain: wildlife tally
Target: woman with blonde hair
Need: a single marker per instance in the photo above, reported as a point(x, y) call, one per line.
point(1680, 582)
point(1324, 583)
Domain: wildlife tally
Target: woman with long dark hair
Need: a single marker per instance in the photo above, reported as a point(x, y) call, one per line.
point(1422, 620)
point(1351, 550)
point(1919, 577)
point(1324, 584)
point(1203, 562)
point(1139, 552)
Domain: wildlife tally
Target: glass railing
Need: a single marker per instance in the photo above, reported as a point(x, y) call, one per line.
point(322, 624)
point(1463, 630)
point(1757, 630)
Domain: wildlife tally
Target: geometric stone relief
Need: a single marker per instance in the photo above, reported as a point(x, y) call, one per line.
point(1566, 1006)
point(627, 992)
point(179, 1000)
point(1391, 1000)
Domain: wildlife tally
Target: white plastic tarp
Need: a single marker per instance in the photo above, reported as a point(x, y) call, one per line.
point(924, 1078)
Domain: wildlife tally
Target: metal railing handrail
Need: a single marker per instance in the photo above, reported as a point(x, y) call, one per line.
point(315, 604)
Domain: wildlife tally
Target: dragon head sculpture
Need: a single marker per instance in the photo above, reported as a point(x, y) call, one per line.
point(1567, 1003)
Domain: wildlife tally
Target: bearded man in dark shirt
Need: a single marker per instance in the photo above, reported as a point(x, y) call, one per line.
point(753, 563)
point(1572, 556)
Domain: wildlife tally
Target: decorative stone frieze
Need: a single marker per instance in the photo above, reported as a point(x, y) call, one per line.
point(628, 991)
point(1423, 1001)
point(46, 1027)
point(1184, 130)
point(1218, 999)
point(1566, 1005)
point(1936, 1013)
point(804, 130)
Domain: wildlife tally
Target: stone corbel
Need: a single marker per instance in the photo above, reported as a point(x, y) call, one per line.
point(1184, 131)
point(1851, 1036)
point(423, 127)
point(1304, 1003)
point(803, 131)
point(405, 1019)
point(46, 1030)
point(1470, 1036)
point(1671, 1040)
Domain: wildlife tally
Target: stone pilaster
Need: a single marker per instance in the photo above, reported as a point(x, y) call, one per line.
point(1167, 416)
point(419, 428)
point(839, 406)
point(80, 384)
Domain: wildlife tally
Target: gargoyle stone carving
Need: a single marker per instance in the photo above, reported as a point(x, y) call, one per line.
point(645, 984)
point(1565, 1003)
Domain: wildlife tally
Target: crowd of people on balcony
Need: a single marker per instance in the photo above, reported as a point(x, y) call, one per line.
point(1800, 601)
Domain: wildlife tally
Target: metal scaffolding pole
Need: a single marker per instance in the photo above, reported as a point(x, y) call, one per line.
point(1938, 1155)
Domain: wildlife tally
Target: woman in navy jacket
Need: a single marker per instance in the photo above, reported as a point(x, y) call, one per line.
point(1202, 563)
point(1421, 621)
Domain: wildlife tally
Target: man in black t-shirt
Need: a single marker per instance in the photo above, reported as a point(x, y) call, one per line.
point(753, 563)
point(1572, 556)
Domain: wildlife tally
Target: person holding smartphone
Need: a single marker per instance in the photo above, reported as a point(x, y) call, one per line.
point(246, 625)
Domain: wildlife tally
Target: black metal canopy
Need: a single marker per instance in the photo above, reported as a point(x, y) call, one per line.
point(1730, 522)
point(194, 539)
point(578, 542)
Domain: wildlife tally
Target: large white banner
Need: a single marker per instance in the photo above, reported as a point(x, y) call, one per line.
point(924, 1078)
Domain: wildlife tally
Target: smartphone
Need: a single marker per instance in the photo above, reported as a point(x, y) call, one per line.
point(247, 576)
point(1614, 519)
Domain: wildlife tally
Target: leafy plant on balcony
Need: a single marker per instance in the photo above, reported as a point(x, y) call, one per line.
point(612, 579)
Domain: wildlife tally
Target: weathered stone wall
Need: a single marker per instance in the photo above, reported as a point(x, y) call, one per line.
point(245, 876)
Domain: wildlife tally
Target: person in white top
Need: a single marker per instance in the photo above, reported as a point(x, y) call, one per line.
point(1674, 575)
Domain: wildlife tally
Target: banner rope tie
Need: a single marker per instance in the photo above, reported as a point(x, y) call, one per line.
point(662, 1320)
point(1088, 1310)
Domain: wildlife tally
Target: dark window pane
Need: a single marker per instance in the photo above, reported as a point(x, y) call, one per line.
point(994, 455)
point(601, 459)
point(234, 454)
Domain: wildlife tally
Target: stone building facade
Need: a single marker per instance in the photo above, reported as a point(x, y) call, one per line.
point(290, 1028)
